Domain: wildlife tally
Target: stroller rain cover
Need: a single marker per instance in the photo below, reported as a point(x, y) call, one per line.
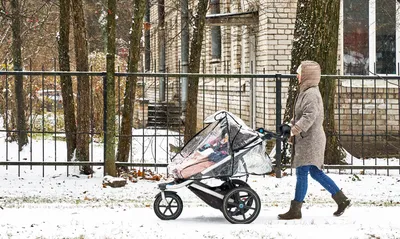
point(225, 147)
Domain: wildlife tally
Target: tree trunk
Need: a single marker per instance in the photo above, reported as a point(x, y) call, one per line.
point(66, 82)
point(110, 168)
point(161, 48)
point(124, 143)
point(83, 112)
point(194, 67)
point(334, 151)
point(318, 41)
point(19, 84)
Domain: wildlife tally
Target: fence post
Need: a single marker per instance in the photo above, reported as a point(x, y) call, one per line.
point(104, 122)
point(278, 105)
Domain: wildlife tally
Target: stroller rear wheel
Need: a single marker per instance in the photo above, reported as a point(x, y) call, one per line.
point(241, 205)
point(169, 210)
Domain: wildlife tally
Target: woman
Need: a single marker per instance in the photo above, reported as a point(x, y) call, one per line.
point(308, 138)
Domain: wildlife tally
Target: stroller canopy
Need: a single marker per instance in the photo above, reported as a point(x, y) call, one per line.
point(240, 135)
point(225, 147)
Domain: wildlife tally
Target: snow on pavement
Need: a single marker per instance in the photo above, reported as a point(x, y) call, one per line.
point(70, 207)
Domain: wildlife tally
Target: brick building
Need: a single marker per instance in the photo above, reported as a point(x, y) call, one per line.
point(255, 36)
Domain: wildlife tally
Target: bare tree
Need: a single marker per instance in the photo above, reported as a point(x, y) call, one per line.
point(81, 58)
point(124, 143)
point(194, 67)
point(110, 168)
point(66, 82)
point(318, 40)
point(19, 84)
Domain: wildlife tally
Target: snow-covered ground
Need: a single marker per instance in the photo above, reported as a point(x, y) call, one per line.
point(71, 207)
point(76, 206)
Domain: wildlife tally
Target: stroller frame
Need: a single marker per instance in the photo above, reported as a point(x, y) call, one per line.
point(235, 198)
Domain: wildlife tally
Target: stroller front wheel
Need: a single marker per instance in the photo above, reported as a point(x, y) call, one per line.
point(241, 205)
point(170, 209)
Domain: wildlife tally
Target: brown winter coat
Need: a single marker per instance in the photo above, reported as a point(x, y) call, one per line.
point(309, 139)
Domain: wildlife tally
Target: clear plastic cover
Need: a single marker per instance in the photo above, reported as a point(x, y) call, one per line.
point(226, 147)
point(254, 161)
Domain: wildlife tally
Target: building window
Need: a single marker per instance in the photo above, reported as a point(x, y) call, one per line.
point(370, 30)
point(215, 32)
point(385, 37)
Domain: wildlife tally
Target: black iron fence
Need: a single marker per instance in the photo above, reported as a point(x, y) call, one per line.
point(366, 118)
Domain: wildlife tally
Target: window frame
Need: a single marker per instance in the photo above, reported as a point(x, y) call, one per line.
point(372, 37)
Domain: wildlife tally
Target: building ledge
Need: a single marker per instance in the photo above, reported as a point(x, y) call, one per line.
point(215, 60)
point(232, 19)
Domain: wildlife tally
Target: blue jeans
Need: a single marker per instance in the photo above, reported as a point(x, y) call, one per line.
point(318, 175)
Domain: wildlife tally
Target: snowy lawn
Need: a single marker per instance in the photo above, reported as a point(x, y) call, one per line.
point(57, 206)
point(71, 207)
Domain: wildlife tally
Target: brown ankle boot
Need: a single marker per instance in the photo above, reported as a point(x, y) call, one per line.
point(294, 211)
point(342, 201)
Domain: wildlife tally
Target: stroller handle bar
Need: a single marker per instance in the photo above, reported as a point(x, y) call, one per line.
point(283, 134)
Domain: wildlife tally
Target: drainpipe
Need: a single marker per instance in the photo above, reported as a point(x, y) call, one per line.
point(184, 49)
point(253, 103)
point(253, 89)
point(147, 38)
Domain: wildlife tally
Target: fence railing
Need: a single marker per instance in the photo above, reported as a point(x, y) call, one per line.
point(366, 117)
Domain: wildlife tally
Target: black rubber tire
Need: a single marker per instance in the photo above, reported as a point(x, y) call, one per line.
point(167, 212)
point(244, 207)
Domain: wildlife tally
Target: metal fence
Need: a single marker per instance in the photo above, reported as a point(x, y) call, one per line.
point(366, 117)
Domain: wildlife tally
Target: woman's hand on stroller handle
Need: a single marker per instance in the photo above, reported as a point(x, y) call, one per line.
point(284, 132)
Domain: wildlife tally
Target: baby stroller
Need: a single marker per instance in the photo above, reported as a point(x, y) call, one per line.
point(225, 149)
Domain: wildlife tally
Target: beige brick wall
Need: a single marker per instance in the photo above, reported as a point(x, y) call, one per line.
point(367, 111)
point(273, 44)
point(275, 36)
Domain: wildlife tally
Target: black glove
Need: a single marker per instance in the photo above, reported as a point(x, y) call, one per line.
point(285, 130)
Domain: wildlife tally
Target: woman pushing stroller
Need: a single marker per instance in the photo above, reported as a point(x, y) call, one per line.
point(227, 148)
point(308, 140)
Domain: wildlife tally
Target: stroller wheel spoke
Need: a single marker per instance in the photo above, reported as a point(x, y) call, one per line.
point(170, 202)
point(165, 211)
point(234, 204)
point(172, 213)
point(244, 215)
point(235, 212)
point(249, 200)
point(249, 208)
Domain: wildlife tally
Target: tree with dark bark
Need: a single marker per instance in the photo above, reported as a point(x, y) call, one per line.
point(316, 38)
point(19, 84)
point(83, 111)
point(125, 135)
point(161, 46)
point(110, 168)
point(66, 82)
point(194, 67)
